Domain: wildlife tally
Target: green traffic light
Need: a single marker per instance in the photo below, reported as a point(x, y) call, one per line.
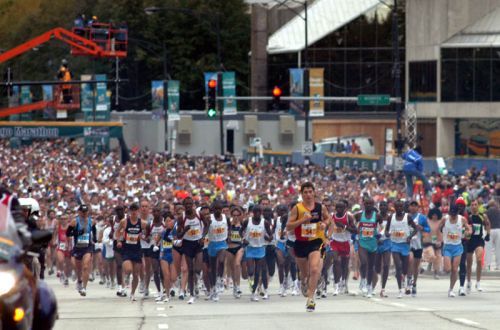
point(211, 113)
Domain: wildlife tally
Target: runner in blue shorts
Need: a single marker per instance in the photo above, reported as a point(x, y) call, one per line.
point(398, 229)
point(454, 227)
point(166, 258)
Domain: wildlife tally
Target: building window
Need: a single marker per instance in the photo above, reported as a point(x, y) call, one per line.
point(423, 85)
point(470, 74)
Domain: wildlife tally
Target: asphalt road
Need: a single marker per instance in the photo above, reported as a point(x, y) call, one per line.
point(432, 309)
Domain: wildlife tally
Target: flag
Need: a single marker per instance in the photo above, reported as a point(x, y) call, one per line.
point(219, 183)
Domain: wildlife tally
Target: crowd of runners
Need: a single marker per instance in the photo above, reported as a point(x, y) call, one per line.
point(191, 228)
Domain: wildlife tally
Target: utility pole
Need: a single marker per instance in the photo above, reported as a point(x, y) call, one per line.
point(306, 74)
point(397, 76)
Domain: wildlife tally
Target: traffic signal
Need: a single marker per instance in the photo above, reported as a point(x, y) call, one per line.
point(212, 102)
point(276, 97)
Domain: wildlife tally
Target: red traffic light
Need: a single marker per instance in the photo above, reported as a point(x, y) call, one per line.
point(212, 83)
point(276, 91)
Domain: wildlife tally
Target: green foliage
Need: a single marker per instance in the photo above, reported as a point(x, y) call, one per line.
point(187, 38)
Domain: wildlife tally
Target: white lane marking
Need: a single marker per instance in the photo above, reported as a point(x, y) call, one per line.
point(162, 315)
point(468, 322)
point(162, 326)
point(160, 309)
point(398, 305)
point(423, 309)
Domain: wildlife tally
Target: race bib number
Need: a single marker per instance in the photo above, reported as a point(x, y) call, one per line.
point(235, 236)
point(167, 245)
point(132, 238)
point(477, 228)
point(83, 239)
point(309, 230)
point(219, 231)
point(367, 232)
point(398, 234)
point(194, 232)
point(453, 236)
point(255, 234)
point(62, 246)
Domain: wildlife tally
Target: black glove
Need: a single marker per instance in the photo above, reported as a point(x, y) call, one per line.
point(487, 237)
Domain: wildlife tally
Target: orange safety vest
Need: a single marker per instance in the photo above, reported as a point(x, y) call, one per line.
point(66, 77)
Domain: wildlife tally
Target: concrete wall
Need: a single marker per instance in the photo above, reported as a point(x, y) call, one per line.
point(141, 130)
point(205, 137)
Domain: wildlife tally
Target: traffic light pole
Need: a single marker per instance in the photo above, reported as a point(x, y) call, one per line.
point(220, 106)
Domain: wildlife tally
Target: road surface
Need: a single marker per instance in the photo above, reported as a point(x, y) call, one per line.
point(432, 309)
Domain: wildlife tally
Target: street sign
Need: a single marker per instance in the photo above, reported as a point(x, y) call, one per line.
point(307, 149)
point(382, 99)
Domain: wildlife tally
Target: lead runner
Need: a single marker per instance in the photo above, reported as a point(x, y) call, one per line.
point(309, 220)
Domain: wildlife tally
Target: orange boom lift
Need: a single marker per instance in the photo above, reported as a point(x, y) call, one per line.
point(100, 40)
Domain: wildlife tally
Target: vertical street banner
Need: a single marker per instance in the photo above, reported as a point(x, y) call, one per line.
point(173, 100)
point(229, 89)
point(48, 95)
point(297, 89)
point(316, 89)
point(26, 99)
point(87, 95)
point(102, 103)
point(157, 99)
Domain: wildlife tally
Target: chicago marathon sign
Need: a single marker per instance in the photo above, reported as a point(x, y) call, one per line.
point(53, 132)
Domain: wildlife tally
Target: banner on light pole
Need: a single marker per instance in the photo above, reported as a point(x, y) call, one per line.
point(316, 89)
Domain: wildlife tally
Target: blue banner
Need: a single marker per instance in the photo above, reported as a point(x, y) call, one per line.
point(297, 89)
point(157, 99)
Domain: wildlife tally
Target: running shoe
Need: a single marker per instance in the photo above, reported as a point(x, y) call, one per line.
point(266, 295)
point(254, 297)
point(132, 298)
point(191, 300)
point(383, 294)
point(215, 296)
point(469, 287)
point(408, 290)
point(310, 305)
point(414, 291)
point(83, 292)
point(181, 295)
point(369, 294)
point(336, 291)
point(141, 287)
point(478, 287)
point(159, 298)
point(324, 293)
point(295, 290)
point(172, 293)
point(461, 292)
point(451, 294)
point(400, 294)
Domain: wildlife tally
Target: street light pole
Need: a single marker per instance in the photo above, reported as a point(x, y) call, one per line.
point(306, 74)
point(397, 76)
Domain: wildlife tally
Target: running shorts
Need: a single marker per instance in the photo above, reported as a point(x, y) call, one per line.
point(191, 248)
point(385, 246)
point(255, 252)
point(452, 251)
point(234, 250)
point(304, 248)
point(474, 243)
point(343, 248)
point(215, 247)
point(133, 256)
point(417, 253)
point(401, 248)
point(78, 253)
point(167, 256)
